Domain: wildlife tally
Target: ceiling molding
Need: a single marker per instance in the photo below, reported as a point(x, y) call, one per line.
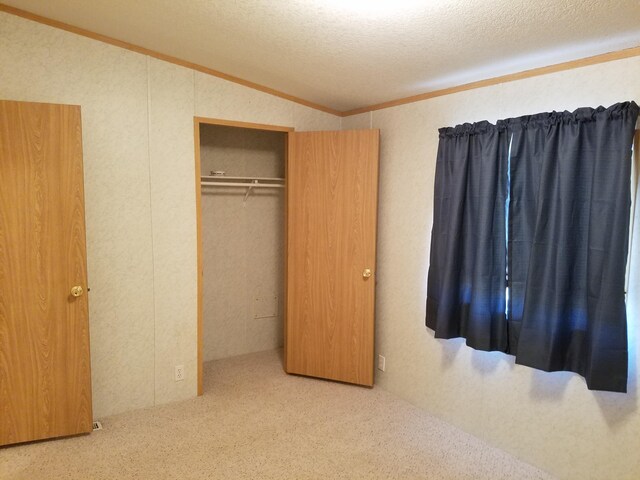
point(569, 65)
point(161, 56)
point(511, 77)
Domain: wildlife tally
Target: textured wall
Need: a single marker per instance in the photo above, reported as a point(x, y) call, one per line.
point(137, 120)
point(548, 419)
point(243, 243)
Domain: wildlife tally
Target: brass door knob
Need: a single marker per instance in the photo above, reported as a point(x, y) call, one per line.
point(77, 291)
point(366, 273)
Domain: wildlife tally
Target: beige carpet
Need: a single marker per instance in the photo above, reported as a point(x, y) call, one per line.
point(256, 422)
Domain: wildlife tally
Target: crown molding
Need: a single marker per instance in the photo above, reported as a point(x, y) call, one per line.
point(511, 77)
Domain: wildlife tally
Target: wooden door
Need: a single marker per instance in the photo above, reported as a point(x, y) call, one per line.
point(45, 379)
point(332, 185)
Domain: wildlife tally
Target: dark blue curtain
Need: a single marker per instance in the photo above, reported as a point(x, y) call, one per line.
point(466, 285)
point(564, 178)
point(568, 239)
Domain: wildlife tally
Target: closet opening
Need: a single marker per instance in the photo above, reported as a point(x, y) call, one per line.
point(240, 211)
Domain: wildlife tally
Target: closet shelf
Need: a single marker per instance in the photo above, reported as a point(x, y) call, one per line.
point(249, 182)
point(243, 184)
point(209, 178)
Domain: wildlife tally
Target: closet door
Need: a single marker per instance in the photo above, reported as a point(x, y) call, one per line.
point(45, 382)
point(332, 185)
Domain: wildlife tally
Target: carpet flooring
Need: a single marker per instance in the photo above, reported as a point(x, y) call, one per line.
point(256, 422)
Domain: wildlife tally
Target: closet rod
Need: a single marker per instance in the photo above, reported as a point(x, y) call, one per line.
point(224, 177)
point(238, 184)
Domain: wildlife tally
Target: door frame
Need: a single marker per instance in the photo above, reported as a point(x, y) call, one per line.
point(197, 121)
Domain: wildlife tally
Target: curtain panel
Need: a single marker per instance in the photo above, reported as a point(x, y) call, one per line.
point(466, 283)
point(564, 180)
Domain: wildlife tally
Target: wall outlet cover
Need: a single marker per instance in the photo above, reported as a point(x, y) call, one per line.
point(179, 374)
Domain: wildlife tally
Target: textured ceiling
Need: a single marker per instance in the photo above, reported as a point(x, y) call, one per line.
point(346, 54)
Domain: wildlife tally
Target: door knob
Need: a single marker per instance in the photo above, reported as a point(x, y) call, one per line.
point(77, 291)
point(366, 273)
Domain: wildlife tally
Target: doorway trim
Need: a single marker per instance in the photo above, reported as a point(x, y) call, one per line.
point(197, 121)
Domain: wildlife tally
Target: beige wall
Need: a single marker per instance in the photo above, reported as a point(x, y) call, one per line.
point(548, 419)
point(137, 120)
point(242, 243)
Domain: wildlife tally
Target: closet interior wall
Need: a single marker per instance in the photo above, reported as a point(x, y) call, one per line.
point(242, 243)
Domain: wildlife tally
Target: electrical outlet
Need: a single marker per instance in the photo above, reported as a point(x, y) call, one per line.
point(381, 362)
point(179, 373)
